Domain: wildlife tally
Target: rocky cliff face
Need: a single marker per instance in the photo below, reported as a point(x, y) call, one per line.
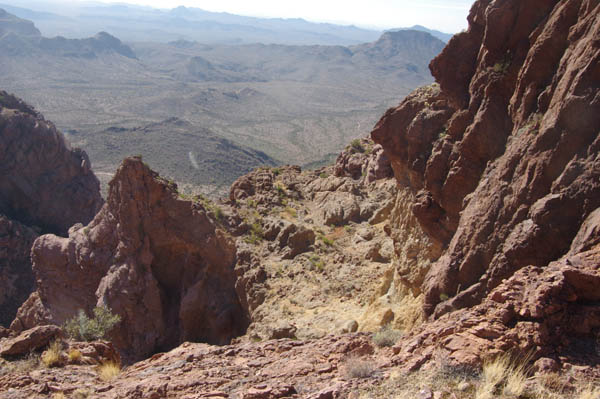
point(43, 182)
point(502, 157)
point(162, 263)
point(45, 186)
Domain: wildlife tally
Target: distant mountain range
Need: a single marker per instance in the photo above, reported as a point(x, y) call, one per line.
point(204, 114)
point(445, 37)
point(137, 23)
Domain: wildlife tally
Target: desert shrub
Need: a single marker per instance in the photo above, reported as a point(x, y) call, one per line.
point(218, 212)
point(357, 145)
point(210, 206)
point(108, 371)
point(256, 232)
point(386, 337)
point(358, 368)
point(81, 327)
point(323, 175)
point(51, 357)
point(501, 67)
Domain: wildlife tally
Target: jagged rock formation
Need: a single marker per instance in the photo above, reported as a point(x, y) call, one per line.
point(503, 161)
point(495, 219)
point(43, 182)
point(162, 263)
point(45, 186)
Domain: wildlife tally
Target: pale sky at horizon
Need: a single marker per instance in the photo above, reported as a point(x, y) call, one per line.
point(445, 15)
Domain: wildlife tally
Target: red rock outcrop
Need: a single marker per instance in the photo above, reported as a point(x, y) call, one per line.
point(503, 157)
point(43, 182)
point(551, 313)
point(162, 263)
point(45, 186)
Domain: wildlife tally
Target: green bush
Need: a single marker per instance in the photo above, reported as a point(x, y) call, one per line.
point(82, 328)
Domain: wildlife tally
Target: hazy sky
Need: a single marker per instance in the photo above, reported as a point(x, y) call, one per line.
point(445, 15)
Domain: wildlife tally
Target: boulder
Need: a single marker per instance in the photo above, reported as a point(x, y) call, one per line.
point(29, 340)
point(299, 242)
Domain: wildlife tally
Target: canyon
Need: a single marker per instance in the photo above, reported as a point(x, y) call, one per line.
point(468, 224)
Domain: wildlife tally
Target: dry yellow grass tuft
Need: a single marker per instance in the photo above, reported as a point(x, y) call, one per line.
point(74, 356)
point(58, 395)
point(504, 375)
point(51, 357)
point(108, 371)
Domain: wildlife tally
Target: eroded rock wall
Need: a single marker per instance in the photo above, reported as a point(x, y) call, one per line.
point(503, 157)
point(161, 262)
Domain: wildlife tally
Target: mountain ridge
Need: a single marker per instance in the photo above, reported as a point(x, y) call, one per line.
point(268, 98)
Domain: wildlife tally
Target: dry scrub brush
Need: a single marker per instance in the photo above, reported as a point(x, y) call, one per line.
point(108, 371)
point(355, 367)
point(52, 356)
